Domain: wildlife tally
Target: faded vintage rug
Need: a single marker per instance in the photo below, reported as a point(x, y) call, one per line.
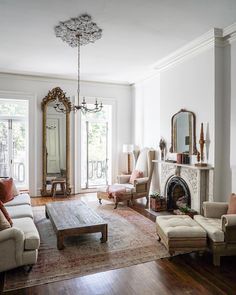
point(132, 240)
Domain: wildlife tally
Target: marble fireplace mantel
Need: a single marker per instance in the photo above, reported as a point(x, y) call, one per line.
point(198, 179)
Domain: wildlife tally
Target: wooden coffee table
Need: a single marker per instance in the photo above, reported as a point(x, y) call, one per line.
point(72, 218)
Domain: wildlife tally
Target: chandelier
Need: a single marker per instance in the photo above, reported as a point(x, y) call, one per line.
point(77, 32)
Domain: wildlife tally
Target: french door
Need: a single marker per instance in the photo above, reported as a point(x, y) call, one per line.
point(96, 148)
point(13, 149)
point(97, 154)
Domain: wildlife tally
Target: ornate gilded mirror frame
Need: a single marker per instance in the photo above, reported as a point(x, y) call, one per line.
point(173, 135)
point(53, 95)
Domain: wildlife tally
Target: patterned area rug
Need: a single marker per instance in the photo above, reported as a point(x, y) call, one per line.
point(132, 240)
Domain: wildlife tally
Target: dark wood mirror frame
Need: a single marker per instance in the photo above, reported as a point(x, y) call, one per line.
point(194, 149)
point(55, 93)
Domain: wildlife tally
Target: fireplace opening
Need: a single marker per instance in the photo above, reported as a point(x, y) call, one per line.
point(178, 194)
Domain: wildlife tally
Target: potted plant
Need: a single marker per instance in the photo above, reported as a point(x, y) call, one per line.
point(157, 202)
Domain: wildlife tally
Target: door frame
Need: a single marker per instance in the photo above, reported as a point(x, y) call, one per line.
point(77, 141)
point(32, 133)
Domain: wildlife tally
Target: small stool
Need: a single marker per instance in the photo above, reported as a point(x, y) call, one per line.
point(181, 233)
point(62, 183)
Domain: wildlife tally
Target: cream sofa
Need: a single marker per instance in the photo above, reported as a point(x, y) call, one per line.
point(220, 228)
point(19, 244)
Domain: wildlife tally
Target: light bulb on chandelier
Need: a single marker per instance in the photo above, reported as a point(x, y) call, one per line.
point(77, 32)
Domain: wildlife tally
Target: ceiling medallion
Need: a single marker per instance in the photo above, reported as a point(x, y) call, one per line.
point(77, 32)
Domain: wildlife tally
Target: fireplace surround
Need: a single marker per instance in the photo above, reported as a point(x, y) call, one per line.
point(198, 181)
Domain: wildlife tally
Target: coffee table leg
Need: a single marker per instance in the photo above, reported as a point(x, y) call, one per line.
point(104, 234)
point(60, 244)
point(46, 214)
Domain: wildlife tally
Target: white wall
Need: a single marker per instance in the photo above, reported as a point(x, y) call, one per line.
point(118, 95)
point(233, 114)
point(189, 85)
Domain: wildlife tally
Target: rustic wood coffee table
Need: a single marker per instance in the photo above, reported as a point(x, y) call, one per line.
point(72, 218)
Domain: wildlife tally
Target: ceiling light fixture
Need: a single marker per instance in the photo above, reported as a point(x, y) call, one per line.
point(77, 32)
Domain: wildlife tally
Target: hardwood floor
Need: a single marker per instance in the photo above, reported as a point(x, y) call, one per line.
point(183, 274)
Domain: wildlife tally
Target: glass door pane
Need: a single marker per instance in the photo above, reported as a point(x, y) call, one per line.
point(4, 149)
point(97, 154)
point(19, 152)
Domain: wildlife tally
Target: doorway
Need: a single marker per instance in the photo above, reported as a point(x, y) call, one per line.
point(14, 141)
point(96, 147)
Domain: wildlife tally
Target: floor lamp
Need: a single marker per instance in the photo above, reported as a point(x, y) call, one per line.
point(128, 149)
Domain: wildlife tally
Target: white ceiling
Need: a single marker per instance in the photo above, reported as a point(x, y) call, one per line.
point(136, 34)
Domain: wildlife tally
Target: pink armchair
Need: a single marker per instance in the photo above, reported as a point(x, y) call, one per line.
point(141, 186)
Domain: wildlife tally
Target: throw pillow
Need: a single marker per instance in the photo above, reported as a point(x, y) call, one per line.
point(15, 191)
point(6, 190)
point(4, 224)
point(232, 204)
point(135, 174)
point(5, 213)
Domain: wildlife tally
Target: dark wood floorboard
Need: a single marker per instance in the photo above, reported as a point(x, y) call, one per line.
point(183, 274)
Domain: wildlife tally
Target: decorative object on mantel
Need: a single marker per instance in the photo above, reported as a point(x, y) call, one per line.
point(201, 143)
point(183, 158)
point(77, 32)
point(162, 146)
point(157, 202)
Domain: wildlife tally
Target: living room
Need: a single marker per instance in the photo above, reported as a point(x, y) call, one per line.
point(154, 67)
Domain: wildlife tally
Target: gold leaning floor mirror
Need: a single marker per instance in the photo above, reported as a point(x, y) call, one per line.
point(56, 144)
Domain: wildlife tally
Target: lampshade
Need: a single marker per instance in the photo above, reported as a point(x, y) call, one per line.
point(128, 148)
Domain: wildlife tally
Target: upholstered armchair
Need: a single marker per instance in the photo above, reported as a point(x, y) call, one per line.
point(220, 228)
point(141, 186)
point(127, 191)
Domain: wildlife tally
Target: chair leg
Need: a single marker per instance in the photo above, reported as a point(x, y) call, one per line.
point(53, 190)
point(64, 189)
point(216, 259)
point(28, 268)
point(116, 204)
point(100, 201)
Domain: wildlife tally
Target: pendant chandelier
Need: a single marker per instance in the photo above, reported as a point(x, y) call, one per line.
point(77, 32)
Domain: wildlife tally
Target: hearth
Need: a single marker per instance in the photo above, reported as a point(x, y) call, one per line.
point(178, 194)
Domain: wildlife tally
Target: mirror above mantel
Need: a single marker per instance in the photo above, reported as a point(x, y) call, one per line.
point(56, 142)
point(183, 133)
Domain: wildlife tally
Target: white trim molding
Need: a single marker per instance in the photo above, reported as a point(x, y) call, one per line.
point(198, 45)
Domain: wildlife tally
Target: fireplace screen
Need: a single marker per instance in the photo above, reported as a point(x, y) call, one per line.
point(178, 194)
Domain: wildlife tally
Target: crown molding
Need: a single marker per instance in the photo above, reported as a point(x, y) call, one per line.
point(229, 34)
point(46, 78)
point(229, 30)
point(198, 45)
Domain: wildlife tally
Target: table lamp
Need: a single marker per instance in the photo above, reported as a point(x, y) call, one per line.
point(128, 149)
